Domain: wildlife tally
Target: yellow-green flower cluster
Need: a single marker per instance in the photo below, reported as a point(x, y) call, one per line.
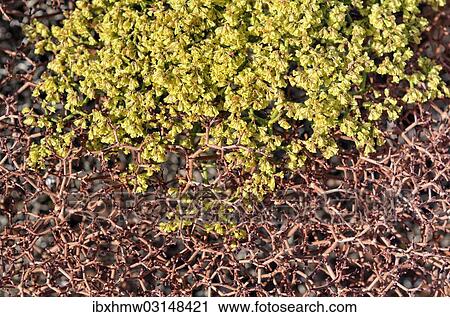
point(246, 75)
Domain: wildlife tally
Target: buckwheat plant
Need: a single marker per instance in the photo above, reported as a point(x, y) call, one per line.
point(258, 83)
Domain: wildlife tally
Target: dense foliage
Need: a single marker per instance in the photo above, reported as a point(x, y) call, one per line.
point(261, 82)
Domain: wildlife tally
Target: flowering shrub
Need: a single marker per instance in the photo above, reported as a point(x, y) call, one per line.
point(260, 82)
